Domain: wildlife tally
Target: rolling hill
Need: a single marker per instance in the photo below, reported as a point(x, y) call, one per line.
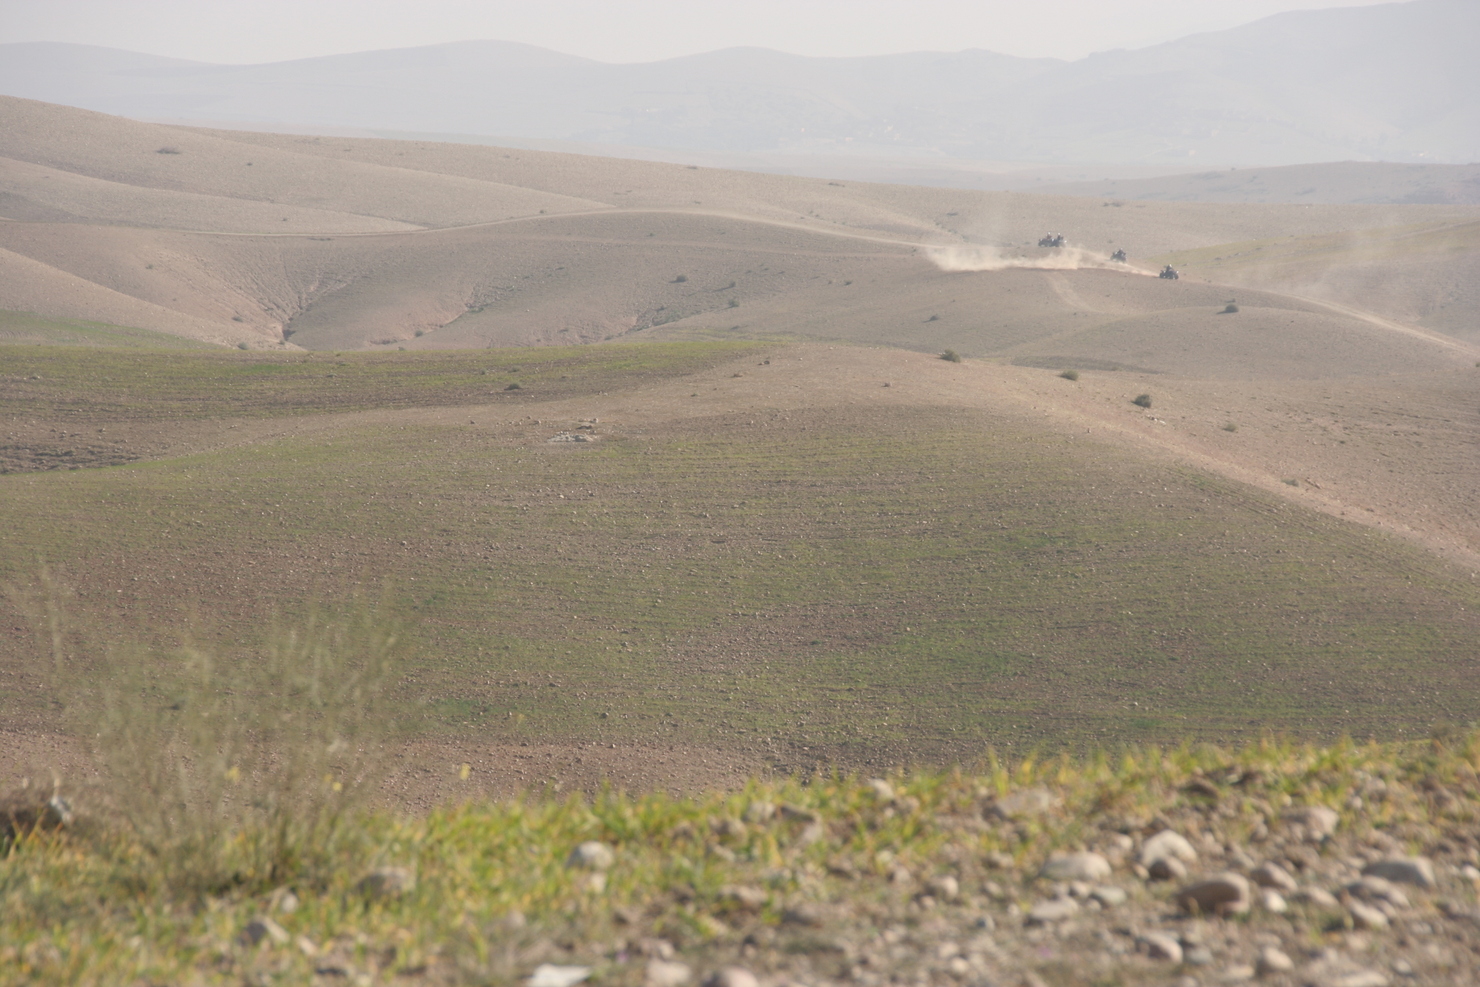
point(744, 518)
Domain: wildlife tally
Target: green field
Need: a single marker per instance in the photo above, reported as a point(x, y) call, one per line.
point(825, 586)
point(18, 328)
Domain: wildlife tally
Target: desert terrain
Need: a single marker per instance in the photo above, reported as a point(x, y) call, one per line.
point(437, 564)
point(664, 466)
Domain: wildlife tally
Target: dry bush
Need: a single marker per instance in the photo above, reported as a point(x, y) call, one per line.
point(241, 770)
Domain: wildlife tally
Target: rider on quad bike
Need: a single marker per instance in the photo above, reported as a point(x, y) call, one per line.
point(1118, 256)
point(1052, 240)
point(1169, 273)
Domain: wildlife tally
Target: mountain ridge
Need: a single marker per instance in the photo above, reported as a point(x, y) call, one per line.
point(1385, 82)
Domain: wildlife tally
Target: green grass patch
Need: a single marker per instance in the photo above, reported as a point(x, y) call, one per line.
point(495, 894)
point(28, 328)
point(125, 385)
point(969, 585)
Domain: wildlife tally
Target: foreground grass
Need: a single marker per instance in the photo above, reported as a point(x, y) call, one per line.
point(494, 894)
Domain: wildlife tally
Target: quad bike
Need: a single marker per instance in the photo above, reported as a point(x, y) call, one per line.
point(1052, 240)
point(1118, 256)
point(1169, 273)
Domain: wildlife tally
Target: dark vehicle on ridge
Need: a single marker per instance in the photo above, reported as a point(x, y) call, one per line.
point(1052, 240)
point(1169, 273)
point(1118, 256)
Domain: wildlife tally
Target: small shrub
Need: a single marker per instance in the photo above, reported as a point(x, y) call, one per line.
point(1070, 375)
point(1230, 308)
point(241, 346)
point(933, 318)
point(233, 770)
point(237, 318)
point(514, 387)
point(734, 303)
point(680, 279)
point(1142, 401)
point(168, 150)
point(1291, 483)
point(1230, 427)
point(421, 332)
point(951, 356)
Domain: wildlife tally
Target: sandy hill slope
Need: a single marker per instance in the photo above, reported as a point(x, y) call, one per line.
point(1385, 82)
point(1421, 274)
point(334, 243)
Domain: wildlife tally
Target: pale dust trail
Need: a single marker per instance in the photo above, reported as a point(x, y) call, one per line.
point(986, 258)
point(1392, 325)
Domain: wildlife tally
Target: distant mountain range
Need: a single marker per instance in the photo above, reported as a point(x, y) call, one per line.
point(1393, 82)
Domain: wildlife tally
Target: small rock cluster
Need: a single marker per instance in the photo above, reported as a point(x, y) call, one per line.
point(1191, 898)
point(1303, 868)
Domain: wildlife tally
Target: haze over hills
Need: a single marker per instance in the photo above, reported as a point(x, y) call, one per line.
point(526, 474)
point(1391, 82)
point(1344, 181)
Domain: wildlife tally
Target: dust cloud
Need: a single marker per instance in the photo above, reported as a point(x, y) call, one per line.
point(986, 258)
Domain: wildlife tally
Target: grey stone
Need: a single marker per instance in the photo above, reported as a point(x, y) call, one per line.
point(1087, 866)
point(1362, 978)
point(743, 897)
point(1318, 820)
point(1272, 901)
point(1160, 946)
point(1364, 916)
point(1198, 956)
point(1417, 871)
point(945, 887)
point(1026, 803)
point(805, 915)
point(551, 975)
point(731, 976)
point(1316, 897)
point(1109, 895)
point(662, 973)
point(1373, 888)
point(1272, 875)
point(264, 928)
point(1166, 869)
point(387, 882)
point(1168, 844)
point(1273, 960)
point(592, 855)
point(1222, 894)
point(1053, 910)
point(759, 811)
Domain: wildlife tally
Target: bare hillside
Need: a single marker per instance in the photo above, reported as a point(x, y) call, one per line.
point(335, 243)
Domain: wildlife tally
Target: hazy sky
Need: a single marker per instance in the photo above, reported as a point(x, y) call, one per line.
point(626, 30)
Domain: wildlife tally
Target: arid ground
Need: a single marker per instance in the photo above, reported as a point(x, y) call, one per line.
point(662, 471)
